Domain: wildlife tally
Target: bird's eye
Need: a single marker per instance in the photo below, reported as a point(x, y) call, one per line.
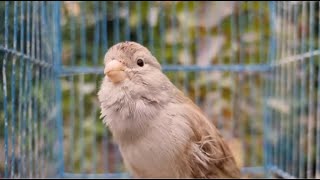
point(140, 62)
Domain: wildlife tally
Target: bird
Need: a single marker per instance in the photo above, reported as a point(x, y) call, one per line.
point(160, 132)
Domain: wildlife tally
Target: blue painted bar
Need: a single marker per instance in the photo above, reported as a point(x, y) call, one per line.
point(58, 98)
point(151, 28)
point(67, 71)
point(196, 14)
point(252, 95)
point(275, 114)
point(289, 97)
point(128, 29)
point(233, 60)
point(48, 89)
point(286, 83)
point(317, 169)
point(42, 108)
point(31, 101)
point(26, 159)
point(72, 93)
point(37, 104)
point(295, 113)
point(207, 74)
point(311, 114)
point(21, 90)
point(94, 108)
point(34, 61)
point(268, 121)
point(186, 47)
point(5, 95)
point(162, 26)
point(81, 81)
point(139, 28)
point(13, 80)
point(280, 94)
point(39, 64)
point(240, 79)
point(116, 28)
point(302, 172)
point(175, 38)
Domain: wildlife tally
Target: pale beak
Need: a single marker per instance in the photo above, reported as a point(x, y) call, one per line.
point(115, 71)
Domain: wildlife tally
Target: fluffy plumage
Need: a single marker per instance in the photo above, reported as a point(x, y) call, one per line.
point(161, 133)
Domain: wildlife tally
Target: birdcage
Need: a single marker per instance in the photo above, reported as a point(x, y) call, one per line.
point(252, 67)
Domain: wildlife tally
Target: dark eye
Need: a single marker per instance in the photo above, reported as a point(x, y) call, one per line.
point(140, 62)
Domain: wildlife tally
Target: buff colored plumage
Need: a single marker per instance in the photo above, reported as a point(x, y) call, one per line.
point(161, 132)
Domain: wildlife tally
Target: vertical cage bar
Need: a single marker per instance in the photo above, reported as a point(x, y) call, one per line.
point(252, 93)
point(95, 62)
point(289, 93)
point(318, 109)
point(268, 125)
point(19, 95)
point(162, 27)
point(116, 28)
point(42, 89)
point(5, 93)
point(57, 69)
point(207, 74)
point(295, 118)
point(72, 90)
point(175, 38)
point(311, 94)
point(21, 92)
point(186, 46)
point(302, 69)
point(81, 83)
point(241, 24)
point(13, 79)
point(128, 28)
point(275, 87)
point(27, 83)
point(151, 26)
point(31, 93)
point(139, 30)
point(281, 72)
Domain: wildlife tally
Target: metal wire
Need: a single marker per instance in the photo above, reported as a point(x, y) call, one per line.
point(27, 70)
point(259, 84)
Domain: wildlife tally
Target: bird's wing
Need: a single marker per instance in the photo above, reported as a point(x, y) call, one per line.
point(210, 156)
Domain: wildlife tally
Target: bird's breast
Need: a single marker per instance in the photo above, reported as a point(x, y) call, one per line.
point(152, 157)
point(160, 152)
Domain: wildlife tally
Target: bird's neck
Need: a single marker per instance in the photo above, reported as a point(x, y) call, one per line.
point(130, 114)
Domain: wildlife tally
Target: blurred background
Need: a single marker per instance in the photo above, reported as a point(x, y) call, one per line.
point(252, 67)
point(191, 34)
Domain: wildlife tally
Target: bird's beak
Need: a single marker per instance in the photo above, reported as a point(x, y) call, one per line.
point(115, 71)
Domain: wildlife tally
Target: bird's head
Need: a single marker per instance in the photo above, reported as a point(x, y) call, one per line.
point(129, 61)
point(133, 84)
point(134, 89)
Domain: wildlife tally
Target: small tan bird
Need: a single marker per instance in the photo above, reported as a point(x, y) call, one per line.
point(161, 133)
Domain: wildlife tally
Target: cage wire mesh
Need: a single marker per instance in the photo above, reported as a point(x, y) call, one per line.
point(29, 141)
point(292, 129)
point(252, 67)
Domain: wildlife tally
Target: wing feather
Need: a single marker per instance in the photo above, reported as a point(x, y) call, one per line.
point(210, 156)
